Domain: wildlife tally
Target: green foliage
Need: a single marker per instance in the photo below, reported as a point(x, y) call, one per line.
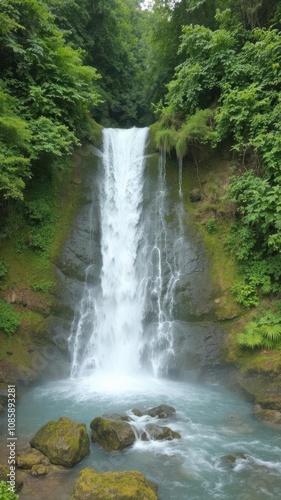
point(43, 285)
point(245, 294)
point(170, 133)
point(51, 140)
point(211, 226)
point(197, 80)
point(40, 216)
point(3, 268)
point(9, 319)
point(264, 332)
point(256, 238)
point(45, 95)
point(165, 139)
point(109, 33)
point(14, 148)
point(6, 493)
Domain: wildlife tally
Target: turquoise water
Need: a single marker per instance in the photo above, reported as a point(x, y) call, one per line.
point(212, 421)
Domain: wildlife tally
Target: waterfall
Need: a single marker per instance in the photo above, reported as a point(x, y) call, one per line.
point(127, 322)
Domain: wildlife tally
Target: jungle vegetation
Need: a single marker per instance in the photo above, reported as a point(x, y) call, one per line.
point(201, 71)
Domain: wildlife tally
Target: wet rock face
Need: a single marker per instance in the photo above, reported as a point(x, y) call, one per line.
point(64, 442)
point(126, 485)
point(112, 433)
point(270, 417)
point(229, 461)
point(159, 433)
point(161, 411)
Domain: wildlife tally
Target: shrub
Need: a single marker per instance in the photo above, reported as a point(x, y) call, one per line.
point(5, 493)
point(43, 285)
point(9, 319)
point(245, 294)
point(211, 226)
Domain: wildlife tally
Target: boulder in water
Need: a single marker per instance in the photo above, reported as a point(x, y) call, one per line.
point(229, 461)
point(64, 442)
point(161, 411)
point(159, 433)
point(30, 458)
point(112, 433)
point(126, 485)
point(270, 417)
point(137, 412)
point(39, 470)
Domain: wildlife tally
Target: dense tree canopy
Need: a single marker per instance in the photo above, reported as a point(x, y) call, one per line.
point(46, 92)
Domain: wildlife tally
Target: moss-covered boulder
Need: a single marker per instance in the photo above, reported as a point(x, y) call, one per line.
point(30, 458)
point(112, 433)
point(126, 485)
point(39, 470)
point(159, 433)
point(64, 442)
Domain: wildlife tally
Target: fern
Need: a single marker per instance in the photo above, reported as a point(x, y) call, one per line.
point(265, 333)
point(272, 332)
point(250, 339)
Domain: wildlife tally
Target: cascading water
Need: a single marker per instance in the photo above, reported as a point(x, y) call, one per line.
point(114, 315)
point(109, 331)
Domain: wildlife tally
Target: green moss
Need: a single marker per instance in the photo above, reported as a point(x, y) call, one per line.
point(64, 442)
point(126, 485)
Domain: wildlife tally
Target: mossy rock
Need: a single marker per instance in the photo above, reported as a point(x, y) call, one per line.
point(29, 459)
point(64, 442)
point(126, 485)
point(112, 433)
point(262, 388)
point(4, 471)
point(39, 470)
